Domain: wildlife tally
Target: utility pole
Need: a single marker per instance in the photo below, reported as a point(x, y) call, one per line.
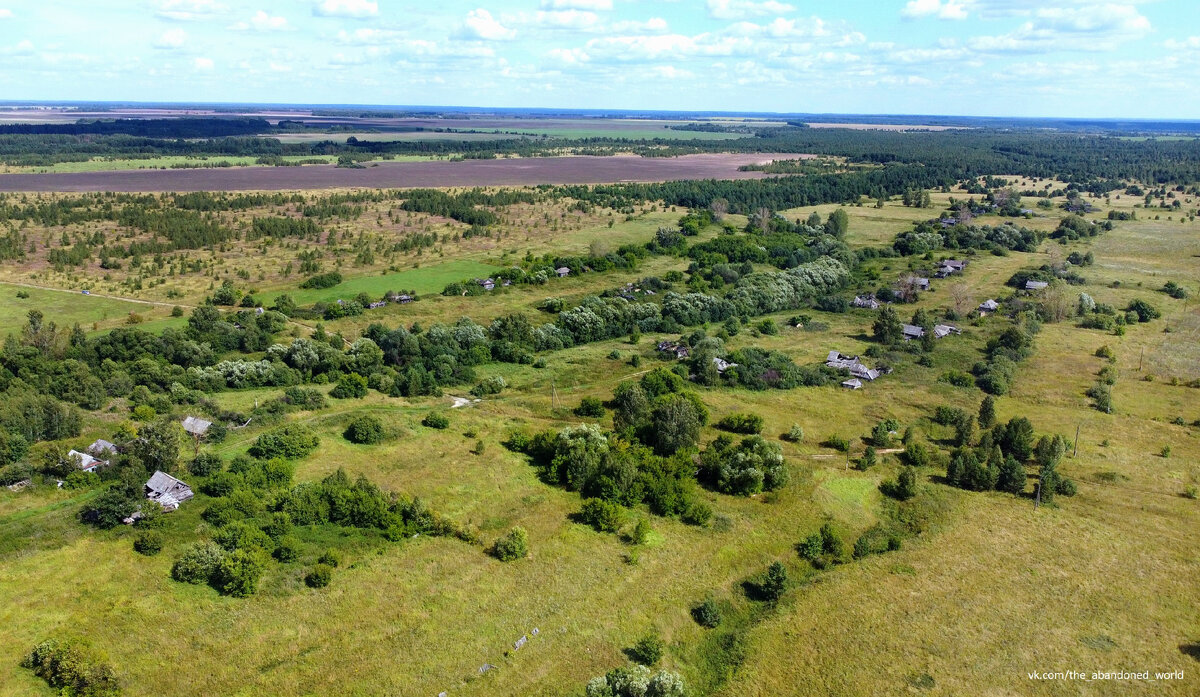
point(1140, 357)
point(1037, 498)
point(1076, 452)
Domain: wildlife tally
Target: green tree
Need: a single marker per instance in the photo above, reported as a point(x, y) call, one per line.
point(648, 650)
point(775, 582)
point(987, 412)
point(157, 445)
point(887, 327)
point(1011, 476)
point(675, 423)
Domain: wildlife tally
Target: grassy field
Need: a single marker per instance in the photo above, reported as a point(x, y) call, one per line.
point(431, 278)
point(67, 308)
point(994, 590)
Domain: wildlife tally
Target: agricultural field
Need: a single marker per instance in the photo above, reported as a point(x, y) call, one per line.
point(392, 174)
point(971, 591)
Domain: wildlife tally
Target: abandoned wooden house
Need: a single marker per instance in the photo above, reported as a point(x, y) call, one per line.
point(102, 449)
point(852, 384)
point(167, 491)
point(196, 426)
point(912, 331)
point(941, 331)
point(1036, 285)
point(988, 306)
point(865, 301)
point(562, 272)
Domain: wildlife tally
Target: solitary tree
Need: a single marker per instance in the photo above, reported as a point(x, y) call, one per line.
point(887, 327)
point(987, 412)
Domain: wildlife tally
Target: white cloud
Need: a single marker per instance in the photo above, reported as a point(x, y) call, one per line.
point(1090, 28)
point(480, 24)
point(564, 19)
point(24, 47)
point(737, 9)
point(5, 13)
point(202, 64)
point(261, 21)
point(568, 56)
point(1192, 43)
point(423, 48)
point(189, 10)
point(654, 25)
point(949, 9)
point(346, 8)
point(171, 38)
point(593, 5)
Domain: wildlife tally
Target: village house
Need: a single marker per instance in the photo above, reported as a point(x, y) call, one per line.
point(852, 364)
point(852, 384)
point(722, 365)
point(912, 331)
point(865, 301)
point(1035, 285)
point(196, 426)
point(167, 491)
point(680, 351)
point(87, 463)
point(950, 267)
point(943, 330)
point(988, 306)
point(486, 283)
point(562, 272)
point(101, 448)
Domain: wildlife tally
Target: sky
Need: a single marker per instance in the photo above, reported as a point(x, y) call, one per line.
point(1066, 58)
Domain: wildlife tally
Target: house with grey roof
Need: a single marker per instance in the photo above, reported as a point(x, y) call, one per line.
point(941, 331)
point(167, 491)
point(865, 301)
point(562, 272)
point(852, 384)
point(988, 306)
point(912, 331)
point(196, 426)
point(101, 448)
point(1035, 285)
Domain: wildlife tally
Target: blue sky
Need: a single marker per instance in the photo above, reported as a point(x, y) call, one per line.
point(1122, 58)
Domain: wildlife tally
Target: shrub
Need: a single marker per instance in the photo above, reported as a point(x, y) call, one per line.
point(641, 532)
point(697, 513)
point(1143, 310)
point(305, 398)
point(795, 434)
point(513, 546)
point(1066, 487)
point(73, 669)
point(492, 385)
point(319, 577)
point(837, 442)
point(1166, 451)
point(741, 423)
point(707, 614)
point(648, 650)
point(604, 516)
point(198, 563)
point(206, 464)
point(330, 558)
point(958, 379)
point(590, 407)
point(435, 420)
point(352, 386)
point(904, 487)
point(291, 442)
point(287, 549)
point(365, 430)
point(325, 280)
point(1105, 352)
point(148, 543)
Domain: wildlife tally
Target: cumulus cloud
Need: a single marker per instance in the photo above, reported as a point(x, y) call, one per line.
point(261, 21)
point(23, 47)
point(171, 39)
point(480, 24)
point(204, 64)
point(737, 9)
point(346, 8)
point(5, 13)
point(568, 56)
point(1192, 43)
point(592, 5)
point(654, 25)
point(947, 9)
point(189, 10)
point(1090, 28)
